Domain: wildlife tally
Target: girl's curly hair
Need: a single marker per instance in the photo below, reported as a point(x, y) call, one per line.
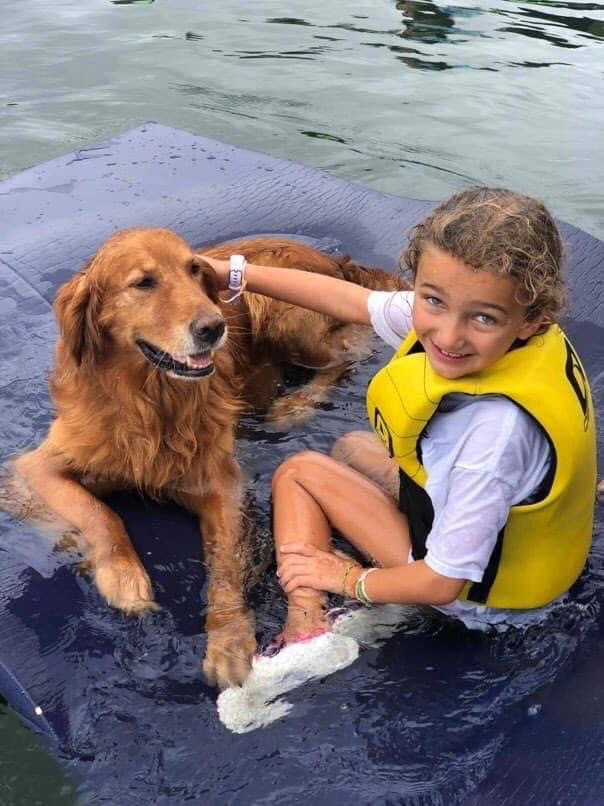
point(503, 232)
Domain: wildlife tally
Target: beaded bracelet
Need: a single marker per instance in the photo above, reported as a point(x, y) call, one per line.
point(346, 572)
point(359, 589)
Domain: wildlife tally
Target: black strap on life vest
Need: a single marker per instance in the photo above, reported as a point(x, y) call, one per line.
point(479, 591)
point(415, 503)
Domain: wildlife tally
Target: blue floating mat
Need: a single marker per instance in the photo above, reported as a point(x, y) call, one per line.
point(434, 714)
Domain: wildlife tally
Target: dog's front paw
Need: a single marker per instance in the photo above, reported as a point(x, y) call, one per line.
point(229, 654)
point(124, 583)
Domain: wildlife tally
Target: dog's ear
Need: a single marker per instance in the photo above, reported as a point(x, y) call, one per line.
point(77, 307)
point(208, 278)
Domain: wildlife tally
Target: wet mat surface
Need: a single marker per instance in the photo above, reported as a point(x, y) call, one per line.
point(434, 714)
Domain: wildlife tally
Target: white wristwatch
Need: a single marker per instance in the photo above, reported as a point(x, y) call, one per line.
point(237, 264)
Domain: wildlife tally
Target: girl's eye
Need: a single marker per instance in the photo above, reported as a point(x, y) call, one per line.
point(433, 301)
point(148, 281)
point(485, 319)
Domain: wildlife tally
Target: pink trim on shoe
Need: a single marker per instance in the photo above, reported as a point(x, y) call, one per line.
point(276, 644)
point(306, 636)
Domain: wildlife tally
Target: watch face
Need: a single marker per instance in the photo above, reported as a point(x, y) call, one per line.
point(235, 277)
point(237, 265)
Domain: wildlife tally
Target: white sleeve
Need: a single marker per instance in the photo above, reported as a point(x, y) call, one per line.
point(500, 460)
point(390, 313)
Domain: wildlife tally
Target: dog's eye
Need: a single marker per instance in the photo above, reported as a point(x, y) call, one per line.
point(148, 281)
point(195, 269)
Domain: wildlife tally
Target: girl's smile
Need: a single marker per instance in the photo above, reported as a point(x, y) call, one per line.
point(465, 319)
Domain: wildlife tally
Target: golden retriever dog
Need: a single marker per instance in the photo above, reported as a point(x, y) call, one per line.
point(152, 371)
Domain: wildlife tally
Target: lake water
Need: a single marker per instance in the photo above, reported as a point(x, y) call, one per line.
point(412, 98)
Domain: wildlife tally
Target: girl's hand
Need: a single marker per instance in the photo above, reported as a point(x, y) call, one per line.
point(221, 267)
point(302, 565)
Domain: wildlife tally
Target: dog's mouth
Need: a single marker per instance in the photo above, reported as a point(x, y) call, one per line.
point(195, 365)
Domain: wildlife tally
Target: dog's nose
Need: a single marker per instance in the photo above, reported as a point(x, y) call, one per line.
point(207, 330)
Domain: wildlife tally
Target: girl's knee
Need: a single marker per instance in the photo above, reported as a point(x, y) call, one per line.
point(298, 467)
point(349, 444)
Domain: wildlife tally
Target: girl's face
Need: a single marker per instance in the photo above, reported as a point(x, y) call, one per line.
point(465, 319)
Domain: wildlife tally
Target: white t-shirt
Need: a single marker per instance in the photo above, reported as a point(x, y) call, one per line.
point(482, 455)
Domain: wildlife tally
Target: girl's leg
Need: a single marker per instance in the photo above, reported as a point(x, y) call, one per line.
point(312, 494)
point(363, 451)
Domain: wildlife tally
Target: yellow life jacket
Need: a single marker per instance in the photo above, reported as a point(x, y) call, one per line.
point(544, 544)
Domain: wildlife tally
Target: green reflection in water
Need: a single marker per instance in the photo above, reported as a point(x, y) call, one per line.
point(23, 766)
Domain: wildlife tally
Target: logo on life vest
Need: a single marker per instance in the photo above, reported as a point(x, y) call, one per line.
point(578, 381)
point(383, 432)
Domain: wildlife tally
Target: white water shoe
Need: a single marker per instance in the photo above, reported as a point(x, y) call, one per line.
point(256, 704)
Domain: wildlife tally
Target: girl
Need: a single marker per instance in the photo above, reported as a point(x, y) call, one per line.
point(484, 414)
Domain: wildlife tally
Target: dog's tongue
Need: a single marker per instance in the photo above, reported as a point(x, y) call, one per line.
point(199, 360)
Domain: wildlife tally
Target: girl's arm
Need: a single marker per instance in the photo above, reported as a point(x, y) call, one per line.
point(304, 565)
point(415, 583)
point(329, 295)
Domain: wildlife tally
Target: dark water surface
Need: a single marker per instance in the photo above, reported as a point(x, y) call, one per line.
point(416, 99)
